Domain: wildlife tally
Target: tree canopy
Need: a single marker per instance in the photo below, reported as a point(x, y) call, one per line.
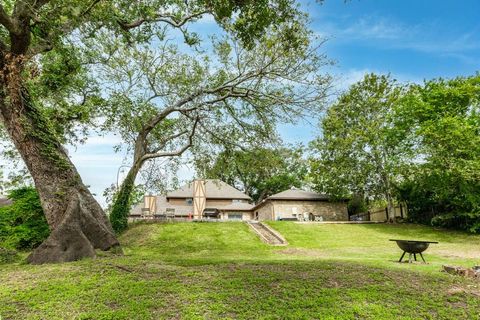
point(444, 184)
point(361, 150)
point(416, 143)
point(259, 172)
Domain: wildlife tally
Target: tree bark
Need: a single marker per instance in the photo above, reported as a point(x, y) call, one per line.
point(122, 202)
point(390, 208)
point(77, 223)
point(121, 206)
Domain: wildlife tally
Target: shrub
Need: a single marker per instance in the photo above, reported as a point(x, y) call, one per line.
point(22, 224)
point(469, 221)
point(450, 203)
point(8, 255)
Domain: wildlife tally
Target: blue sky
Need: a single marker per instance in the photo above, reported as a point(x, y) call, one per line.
point(412, 40)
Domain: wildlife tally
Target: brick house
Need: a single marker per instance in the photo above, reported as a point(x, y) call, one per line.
point(214, 199)
point(300, 205)
point(199, 199)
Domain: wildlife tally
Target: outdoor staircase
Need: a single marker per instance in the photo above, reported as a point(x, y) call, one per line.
point(267, 234)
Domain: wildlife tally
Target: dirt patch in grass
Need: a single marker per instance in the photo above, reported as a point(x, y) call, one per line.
point(312, 253)
point(455, 253)
point(455, 290)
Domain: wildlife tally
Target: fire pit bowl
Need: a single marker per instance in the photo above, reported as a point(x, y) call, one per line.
point(412, 247)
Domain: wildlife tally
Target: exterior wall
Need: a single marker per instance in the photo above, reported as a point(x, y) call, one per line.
point(246, 215)
point(213, 203)
point(329, 211)
point(265, 212)
point(180, 203)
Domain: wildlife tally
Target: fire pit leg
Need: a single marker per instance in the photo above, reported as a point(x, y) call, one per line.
point(415, 256)
point(403, 255)
point(421, 255)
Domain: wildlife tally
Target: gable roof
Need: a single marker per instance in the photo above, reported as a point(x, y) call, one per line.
point(237, 206)
point(214, 189)
point(294, 194)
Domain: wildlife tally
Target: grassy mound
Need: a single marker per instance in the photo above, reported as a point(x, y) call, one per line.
point(222, 270)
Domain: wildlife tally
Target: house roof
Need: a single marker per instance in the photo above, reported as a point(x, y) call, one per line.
point(294, 194)
point(4, 201)
point(214, 189)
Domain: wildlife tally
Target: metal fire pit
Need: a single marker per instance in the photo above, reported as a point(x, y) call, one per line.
point(412, 247)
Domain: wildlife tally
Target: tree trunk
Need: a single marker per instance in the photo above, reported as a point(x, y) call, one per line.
point(386, 186)
point(390, 208)
point(388, 196)
point(77, 223)
point(121, 206)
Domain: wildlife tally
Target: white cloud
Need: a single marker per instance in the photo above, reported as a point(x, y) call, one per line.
point(351, 76)
point(372, 28)
point(390, 34)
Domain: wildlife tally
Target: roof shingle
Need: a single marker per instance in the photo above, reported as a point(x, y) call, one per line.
point(214, 189)
point(294, 194)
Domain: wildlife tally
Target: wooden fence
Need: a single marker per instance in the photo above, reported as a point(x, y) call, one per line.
point(379, 214)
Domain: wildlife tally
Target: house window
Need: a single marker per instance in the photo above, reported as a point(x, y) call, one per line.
point(189, 201)
point(234, 216)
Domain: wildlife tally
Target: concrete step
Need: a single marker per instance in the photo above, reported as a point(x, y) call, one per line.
point(267, 234)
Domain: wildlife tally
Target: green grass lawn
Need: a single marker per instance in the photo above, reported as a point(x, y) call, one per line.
point(223, 271)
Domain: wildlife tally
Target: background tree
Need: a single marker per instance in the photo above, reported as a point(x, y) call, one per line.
point(443, 185)
point(165, 101)
point(361, 150)
point(42, 61)
point(259, 172)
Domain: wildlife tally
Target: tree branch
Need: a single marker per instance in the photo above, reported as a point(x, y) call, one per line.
point(177, 107)
point(167, 18)
point(6, 20)
point(42, 47)
point(167, 139)
point(90, 7)
point(178, 152)
point(24, 10)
